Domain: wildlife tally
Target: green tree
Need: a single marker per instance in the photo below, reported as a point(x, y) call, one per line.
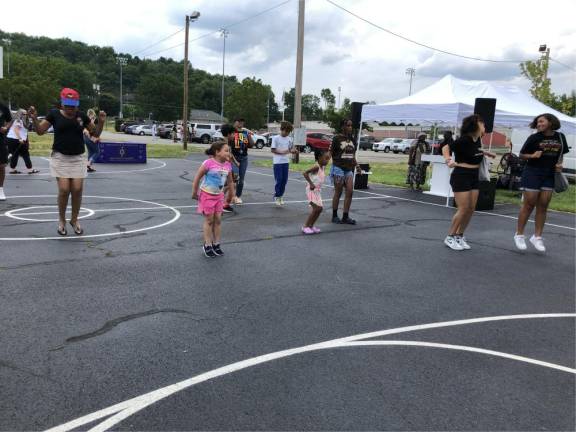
point(536, 72)
point(565, 103)
point(249, 100)
point(328, 98)
point(160, 95)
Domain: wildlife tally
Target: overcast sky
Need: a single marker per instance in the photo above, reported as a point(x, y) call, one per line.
point(340, 50)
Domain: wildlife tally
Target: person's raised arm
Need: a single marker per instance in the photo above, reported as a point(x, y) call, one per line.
point(96, 129)
point(41, 127)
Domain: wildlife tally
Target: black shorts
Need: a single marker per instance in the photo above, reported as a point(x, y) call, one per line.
point(464, 179)
point(3, 151)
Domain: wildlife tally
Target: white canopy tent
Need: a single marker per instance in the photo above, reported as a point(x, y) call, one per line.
point(450, 99)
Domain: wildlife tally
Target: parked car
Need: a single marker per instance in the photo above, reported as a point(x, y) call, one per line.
point(268, 136)
point(127, 123)
point(259, 140)
point(142, 130)
point(165, 130)
point(403, 146)
point(316, 141)
point(203, 132)
point(130, 129)
point(366, 142)
point(385, 145)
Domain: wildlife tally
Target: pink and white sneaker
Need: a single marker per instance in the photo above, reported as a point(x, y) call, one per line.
point(316, 230)
point(307, 230)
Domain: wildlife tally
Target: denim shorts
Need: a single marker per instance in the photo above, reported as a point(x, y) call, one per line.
point(537, 179)
point(339, 175)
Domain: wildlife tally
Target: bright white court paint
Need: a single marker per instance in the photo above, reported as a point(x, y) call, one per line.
point(110, 234)
point(115, 414)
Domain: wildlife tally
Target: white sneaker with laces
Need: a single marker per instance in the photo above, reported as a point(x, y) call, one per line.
point(538, 243)
point(520, 241)
point(2, 195)
point(451, 242)
point(461, 240)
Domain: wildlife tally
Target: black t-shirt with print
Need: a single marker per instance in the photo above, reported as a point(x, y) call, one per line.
point(466, 150)
point(239, 141)
point(68, 133)
point(343, 151)
point(550, 147)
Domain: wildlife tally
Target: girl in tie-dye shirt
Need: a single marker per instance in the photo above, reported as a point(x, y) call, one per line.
point(208, 188)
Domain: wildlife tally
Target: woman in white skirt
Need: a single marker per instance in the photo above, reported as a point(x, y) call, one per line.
point(68, 162)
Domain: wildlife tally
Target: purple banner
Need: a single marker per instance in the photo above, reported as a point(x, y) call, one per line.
point(121, 152)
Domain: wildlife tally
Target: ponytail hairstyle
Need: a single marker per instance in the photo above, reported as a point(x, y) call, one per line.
point(215, 147)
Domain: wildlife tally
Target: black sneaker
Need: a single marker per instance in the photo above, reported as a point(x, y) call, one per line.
point(228, 209)
point(336, 220)
point(209, 251)
point(217, 250)
point(348, 221)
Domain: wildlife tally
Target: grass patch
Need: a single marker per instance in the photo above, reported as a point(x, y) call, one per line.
point(42, 146)
point(394, 174)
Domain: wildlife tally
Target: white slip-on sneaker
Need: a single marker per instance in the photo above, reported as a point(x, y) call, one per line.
point(462, 241)
point(451, 242)
point(520, 241)
point(2, 195)
point(278, 202)
point(538, 243)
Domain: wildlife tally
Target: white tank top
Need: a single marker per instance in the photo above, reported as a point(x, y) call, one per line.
point(21, 130)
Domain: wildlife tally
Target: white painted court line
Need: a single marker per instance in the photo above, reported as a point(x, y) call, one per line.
point(123, 410)
point(177, 215)
point(161, 165)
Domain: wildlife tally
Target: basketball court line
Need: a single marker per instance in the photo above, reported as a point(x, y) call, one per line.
point(121, 411)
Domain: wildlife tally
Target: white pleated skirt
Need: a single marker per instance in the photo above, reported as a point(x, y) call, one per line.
point(66, 166)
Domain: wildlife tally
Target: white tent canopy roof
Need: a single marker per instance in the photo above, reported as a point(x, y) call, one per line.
point(450, 99)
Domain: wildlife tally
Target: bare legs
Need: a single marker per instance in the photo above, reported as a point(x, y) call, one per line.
point(212, 229)
point(466, 202)
point(314, 215)
point(67, 187)
point(540, 200)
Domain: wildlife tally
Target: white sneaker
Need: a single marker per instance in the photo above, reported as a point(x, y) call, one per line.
point(520, 241)
point(461, 240)
point(451, 242)
point(238, 200)
point(278, 202)
point(282, 200)
point(2, 195)
point(538, 243)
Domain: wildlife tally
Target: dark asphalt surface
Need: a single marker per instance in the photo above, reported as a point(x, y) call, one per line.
point(88, 323)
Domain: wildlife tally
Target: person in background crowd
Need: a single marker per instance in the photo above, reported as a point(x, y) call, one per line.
point(92, 142)
point(416, 176)
point(68, 162)
point(282, 146)
point(446, 141)
point(542, 152)
point(18, 144)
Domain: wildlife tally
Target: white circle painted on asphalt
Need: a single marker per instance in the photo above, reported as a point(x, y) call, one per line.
point(109, 234)
point(21, 213)
point(161, 165)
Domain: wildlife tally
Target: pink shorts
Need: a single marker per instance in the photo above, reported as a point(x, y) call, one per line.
point(209, 204)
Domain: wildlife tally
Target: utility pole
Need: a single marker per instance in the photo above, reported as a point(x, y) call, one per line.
point(299, 68)
point(8, 42)
point(224, 33)
point(339, 91)
point(192, 17)
point(411, 72)
point(268, 116)
point(122, 61)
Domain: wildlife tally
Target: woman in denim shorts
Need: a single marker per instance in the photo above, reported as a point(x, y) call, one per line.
point(542, 152)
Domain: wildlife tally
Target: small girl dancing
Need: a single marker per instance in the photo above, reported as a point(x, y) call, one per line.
point(215, 173)
point(315, 177)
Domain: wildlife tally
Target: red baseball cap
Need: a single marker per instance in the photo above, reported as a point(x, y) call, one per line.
point(70, 97)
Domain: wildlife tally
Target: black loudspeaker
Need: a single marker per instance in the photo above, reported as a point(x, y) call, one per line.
point(486, 108)
point(356, 114)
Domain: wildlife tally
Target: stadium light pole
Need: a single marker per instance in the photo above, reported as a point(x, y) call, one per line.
point(192, 17)
point(122, 61)
point(411, 72)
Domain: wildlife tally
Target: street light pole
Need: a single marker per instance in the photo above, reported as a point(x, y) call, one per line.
point(224, 33)
point(411, 72)
point(192, 17)
point(339, 91)
point(122, 61)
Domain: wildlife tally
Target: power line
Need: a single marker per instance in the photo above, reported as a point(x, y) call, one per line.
point(419, 43)
point(563, 64)
point(217, 31)
point(160, 41)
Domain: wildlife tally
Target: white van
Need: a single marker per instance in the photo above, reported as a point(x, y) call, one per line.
point(519, 137)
